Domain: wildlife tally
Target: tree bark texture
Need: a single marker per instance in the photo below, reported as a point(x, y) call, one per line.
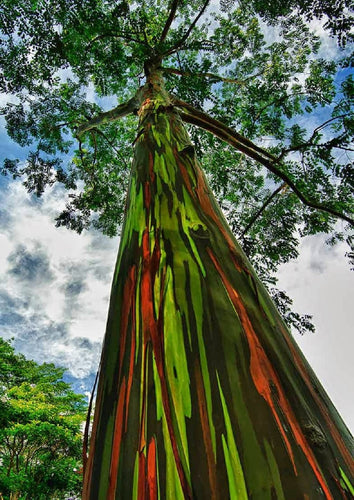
point(203, 393)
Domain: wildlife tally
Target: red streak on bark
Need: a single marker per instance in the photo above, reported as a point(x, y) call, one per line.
point(118, 431)
point(147, 195)
point(340, 489)
point(128, 295)
point(184, 172)
point(142, 440)
point(332, 428)
point(153, 331)
point(142, 477)
point(206, 432)
point(147, 305)
point(202, 193)
point(262, 373)
point(151, 470)
point(132, 357)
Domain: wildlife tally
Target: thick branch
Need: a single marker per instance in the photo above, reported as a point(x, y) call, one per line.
point(239, 142)
point(189, 31)
point(263, 207)
point(169, 20)
point(226, 133)
point(110, 116)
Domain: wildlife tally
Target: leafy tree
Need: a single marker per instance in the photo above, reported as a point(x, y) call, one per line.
point(195, 351)
point(40, 429)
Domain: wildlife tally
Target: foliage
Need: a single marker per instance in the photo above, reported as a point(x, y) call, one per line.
point(40, 429)
point(253, 66)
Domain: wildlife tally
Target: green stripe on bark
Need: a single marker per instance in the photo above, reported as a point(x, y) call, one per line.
point(197, 365)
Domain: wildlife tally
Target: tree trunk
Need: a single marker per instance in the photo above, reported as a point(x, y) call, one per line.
point(203, 393)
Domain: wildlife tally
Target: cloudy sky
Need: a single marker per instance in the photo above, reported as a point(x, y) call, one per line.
point(55, 285)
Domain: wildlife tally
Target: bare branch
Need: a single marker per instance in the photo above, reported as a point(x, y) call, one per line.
point(112, 146)
point(324, 124)
point(239, 142)
point(310, 143)
point(263, 207)
point(169, 21)
point(190, 29)
point(114, 114)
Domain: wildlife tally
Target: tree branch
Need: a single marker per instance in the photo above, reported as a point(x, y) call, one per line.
point(212, 76)
point(263, 207)
point(110, 116)
point(188, 32)
point(310, 142)
point(169, 20)
point(115, 35)
point(229, 135)
point(239, 142)
point(112, 146)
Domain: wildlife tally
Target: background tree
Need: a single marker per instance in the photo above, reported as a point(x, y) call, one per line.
point(179, 269)
point(40, 429)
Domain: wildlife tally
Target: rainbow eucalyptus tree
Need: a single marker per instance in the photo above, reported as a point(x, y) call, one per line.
point(202, 391)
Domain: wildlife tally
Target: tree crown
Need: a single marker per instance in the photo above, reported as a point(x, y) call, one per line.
point(250, 75)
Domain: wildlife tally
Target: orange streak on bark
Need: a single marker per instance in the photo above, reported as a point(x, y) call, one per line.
point(151, 470)
point(147, 195)
point(153, 332)
point(146, 290)
point(262, 373)
point(183, 171)
point(332, 428)
point(206, 432)
point(128, 292)
point(118, 431)
point(202, 193)
point(132, 357)
point(142, 439)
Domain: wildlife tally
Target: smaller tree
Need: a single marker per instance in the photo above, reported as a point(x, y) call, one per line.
point(40, 429)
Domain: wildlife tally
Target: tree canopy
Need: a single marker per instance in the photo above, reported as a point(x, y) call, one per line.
point(40, 429)
point(270, 117)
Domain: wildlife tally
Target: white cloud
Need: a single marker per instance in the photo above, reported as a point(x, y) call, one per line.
point(54, 283)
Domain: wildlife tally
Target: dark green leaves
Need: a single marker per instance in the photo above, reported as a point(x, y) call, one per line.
point(40, 419)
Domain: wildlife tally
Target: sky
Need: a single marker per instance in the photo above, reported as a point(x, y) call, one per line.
point(55, 286)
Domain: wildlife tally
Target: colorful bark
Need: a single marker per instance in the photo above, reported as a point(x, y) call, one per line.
point(203, 393)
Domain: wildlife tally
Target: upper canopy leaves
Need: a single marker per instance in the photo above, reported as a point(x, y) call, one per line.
point(68, 60)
